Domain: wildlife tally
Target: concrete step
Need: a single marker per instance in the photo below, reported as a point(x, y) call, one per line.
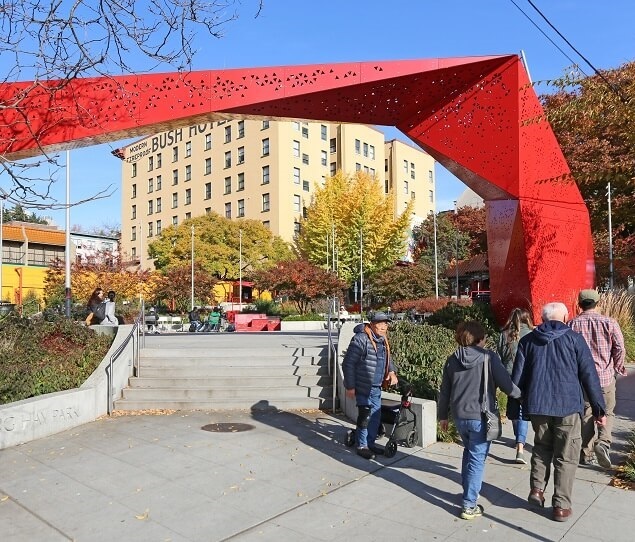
point(225, 380)
point(282, 403)
point(252, 393)
point(202, 371)
point(238, 352)
point(176, 360)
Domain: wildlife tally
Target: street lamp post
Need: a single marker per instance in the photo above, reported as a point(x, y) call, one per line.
point(67, 249)
point(456, 265)
point(436, 258)
point(361, 273)
point(3, 197)
point(240, 268)
point(192, 266)
point(608, 193)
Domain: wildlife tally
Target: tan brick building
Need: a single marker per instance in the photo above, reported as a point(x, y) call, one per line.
point(257, 169)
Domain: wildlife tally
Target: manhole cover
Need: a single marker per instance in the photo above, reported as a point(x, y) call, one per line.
point(227, 427)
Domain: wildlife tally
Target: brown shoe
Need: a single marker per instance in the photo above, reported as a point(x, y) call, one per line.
point(561, 514)
point(536, 497)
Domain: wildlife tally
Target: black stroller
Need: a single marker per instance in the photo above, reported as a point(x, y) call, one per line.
point(398, 421)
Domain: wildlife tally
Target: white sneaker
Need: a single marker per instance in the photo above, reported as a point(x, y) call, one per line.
point(602, 453)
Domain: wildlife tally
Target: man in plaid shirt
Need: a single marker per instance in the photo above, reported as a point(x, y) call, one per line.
point(605, 339)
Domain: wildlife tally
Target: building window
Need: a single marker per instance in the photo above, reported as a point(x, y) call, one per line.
point(159, 160)
point(228, 133)
point(386, 165)
point(241, 128)
point(305, 132)
point(208, 210)
point(159, 227)
point(150, 207)
point(412, 195)
point(265, 202)
point(405, 187)
point(372, 152)
point(175, 154)
point(265, 124)
point(208, 190)
point(386, 186)
point(241, 155)
point(150, 163)
point(175, 220)
point(175, 177)
point(175, 200)
point(150, 186)
point(365, 150)
point(188, 216)
point(333, 145)
point(188, 173)
point(296, 148)
point(372, 171)
point(188, 149)
point(228, 210)
point(265, 147)
point(296, 229)
point(296, 125)
point(305, 159)
point(333, 169)
point(150, 229)
point(241, 181)
point(266, 224)
point(134, 252)
point(265, 174)
point(297, 203)
point(430, 177)
point(431, 196)
point(134, 170)
point(208, 141)
point(412, 170)
point(405, 166)
point(358, 146)
point(358, 166)
point(133, 233)
point(324, 158)
point(134, 190)
point(134, 212)
point(296, 175)
point(366, 169)
point(305, 186)
point(188, 196)
point(228, 159)
point(228, 185)
point(158, 205)
point(323, 132)
point(208, 166)
point(159, 182)
point(241, 208)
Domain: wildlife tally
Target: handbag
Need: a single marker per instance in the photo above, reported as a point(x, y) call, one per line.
point(490, 415)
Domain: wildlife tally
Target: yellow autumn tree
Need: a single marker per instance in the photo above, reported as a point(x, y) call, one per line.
point(349, 212)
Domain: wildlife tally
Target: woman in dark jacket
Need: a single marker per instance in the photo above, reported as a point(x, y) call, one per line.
point(95, 314)
point(461, 394)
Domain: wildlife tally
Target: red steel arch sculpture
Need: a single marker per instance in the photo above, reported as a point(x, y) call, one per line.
point(478, 116)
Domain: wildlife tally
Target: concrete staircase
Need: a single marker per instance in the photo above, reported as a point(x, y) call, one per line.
point(246, 377)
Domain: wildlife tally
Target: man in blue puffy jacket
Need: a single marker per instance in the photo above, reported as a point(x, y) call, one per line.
point(553, 368)
point(367, 366)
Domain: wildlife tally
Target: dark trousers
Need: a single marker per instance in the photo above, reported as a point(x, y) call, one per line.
point(557, 442)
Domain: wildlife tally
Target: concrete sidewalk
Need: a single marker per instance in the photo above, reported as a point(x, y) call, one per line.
point(280, 476)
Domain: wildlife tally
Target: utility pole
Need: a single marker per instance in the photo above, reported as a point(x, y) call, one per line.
point(608, 193)
point(192, 266)
point(361, 272)
point(67, 249)
point(456, 265)
point(240, 268)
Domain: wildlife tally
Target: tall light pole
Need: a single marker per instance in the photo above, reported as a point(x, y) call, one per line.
point(436, 258)
point(67, 249)
point(3, 198)
point(192, 267)
point(608, 193)
point(456, 212)
point(240, 268)
point(361, 272)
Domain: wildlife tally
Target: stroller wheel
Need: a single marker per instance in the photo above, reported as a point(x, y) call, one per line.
point(411, 440)
point(350, 438)
point(391, 449)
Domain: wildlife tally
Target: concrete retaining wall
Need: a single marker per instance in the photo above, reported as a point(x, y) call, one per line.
point(425, 410)
point(44, 415)
point(302, 325)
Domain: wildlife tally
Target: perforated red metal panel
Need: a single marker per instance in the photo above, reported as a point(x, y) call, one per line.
point(479, 117)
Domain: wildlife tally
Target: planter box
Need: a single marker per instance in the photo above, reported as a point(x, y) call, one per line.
point(302, 325)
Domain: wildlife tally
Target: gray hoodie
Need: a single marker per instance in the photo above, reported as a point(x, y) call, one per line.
point(462, 384)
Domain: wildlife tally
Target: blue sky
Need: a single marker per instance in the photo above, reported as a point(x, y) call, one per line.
point(289, 32)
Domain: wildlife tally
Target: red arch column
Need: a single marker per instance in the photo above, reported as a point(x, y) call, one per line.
point(479, 117)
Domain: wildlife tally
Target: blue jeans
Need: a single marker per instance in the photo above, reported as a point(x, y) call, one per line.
point(366, 435)
point(520, 430)
point(475, 450)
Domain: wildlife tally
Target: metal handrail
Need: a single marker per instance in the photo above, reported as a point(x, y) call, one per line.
point(134, 336)
point(332, 351)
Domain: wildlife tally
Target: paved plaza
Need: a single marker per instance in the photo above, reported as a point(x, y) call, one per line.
point(272, 475)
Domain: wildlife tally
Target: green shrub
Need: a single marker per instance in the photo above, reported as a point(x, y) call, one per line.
point(308, 317)
point(420, 352)
point(41, 356)
point(452, 314)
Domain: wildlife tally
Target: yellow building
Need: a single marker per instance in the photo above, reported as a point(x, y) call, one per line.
point(257, 169)
point(27, 252)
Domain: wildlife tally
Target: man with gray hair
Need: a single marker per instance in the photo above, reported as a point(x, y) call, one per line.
point(605, 339)
point(553, 367)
